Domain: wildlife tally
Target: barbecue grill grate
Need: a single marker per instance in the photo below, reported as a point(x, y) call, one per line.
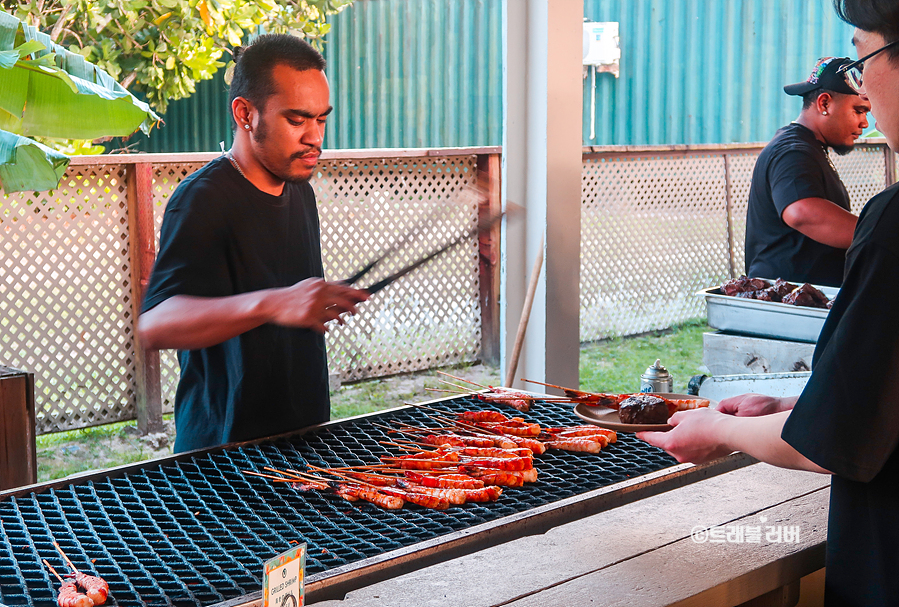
point(197, 531)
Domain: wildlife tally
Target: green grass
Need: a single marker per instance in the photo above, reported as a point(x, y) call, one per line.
point(62, 454)
point(615, 365)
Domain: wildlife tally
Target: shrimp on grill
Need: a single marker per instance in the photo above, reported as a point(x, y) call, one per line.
point(482, 416)
point(511, 464)
point(536, 446)
point(503, 396)
point(419, 499)
point(497, 395)
point(455, 440)
point(495, 452)
point(455, 497)
point(575, 431)
point(506, 478)
point(96, 588)
point(70, 596)
point(382, 498)
point(579, 444)
point(425, 460)
point(592, 399)
point(515, 426)
point(445, 481)
point(489, 493)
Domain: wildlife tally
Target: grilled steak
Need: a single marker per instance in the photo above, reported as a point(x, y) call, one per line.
point(643, 409)
point(744, 284)
point(806, 295)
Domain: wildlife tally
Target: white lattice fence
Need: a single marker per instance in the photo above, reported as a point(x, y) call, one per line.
point(65, 290)
point(430, 318)
point(653, 232)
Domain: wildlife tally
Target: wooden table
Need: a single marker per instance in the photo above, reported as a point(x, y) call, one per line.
point(641, 554)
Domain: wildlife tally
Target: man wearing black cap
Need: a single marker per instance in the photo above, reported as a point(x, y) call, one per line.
point(798, 224)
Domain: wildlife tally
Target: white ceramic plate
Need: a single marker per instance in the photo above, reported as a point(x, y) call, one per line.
point(608, 418)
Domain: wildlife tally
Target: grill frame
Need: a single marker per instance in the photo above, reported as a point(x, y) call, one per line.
point(337, 581)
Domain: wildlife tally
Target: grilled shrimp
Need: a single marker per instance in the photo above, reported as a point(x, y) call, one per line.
point(452, 496)
point(489, 493)
point(506, 478)
point(536, 447)
point(379, 498)
point(495, 452)
point(445, 481)
point(515, 427)
point(94, 587)
point(482, 416)
point(70, 596)
point(580, 444)
point(419, 499)
point(515, 464)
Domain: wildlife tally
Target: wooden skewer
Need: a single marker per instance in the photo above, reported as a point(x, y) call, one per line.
point(283, 472)
point(268, 476)
point(50, 567)
point(463, 389)
point(446, 391)
point(406, 447)
point(340, 475)
point(65, 558)
point(467, 381)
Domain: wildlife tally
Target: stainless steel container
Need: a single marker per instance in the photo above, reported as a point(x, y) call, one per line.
point(765, 318)
point(656, 379)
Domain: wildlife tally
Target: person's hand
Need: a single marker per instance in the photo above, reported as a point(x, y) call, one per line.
point(753, 405)
point(312, 303)
point(695, 436)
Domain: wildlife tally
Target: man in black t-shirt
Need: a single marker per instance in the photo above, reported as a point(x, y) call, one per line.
point(798, 223)
point(237, 287)
point(846, 421)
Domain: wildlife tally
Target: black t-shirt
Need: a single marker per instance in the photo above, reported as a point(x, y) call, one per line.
point(793, 166)
point(847, 418)
point(222, 236)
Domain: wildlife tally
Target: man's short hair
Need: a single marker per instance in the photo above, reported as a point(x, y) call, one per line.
point(254, 64)
point(811, 97)
point(878, 16)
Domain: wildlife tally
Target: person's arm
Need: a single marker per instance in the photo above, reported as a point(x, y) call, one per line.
point(822, 221)
point(190, 323)
point(752, 405)
point(702, 435)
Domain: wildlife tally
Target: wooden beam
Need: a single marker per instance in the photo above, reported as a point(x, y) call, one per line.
point(18, 450)
point(489, 249)
point(142, 252)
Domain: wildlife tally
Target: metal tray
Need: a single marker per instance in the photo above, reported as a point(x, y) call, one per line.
point(765, 318)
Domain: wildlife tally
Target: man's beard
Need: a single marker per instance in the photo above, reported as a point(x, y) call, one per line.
point(842, 150)
point(260, 134)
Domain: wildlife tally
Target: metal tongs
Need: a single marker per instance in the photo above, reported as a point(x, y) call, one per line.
point(483, 225)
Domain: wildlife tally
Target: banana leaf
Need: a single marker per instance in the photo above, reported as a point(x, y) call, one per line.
point(27, 165)
point(47, 91)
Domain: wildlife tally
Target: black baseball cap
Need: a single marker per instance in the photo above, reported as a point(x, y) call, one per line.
point(824, 76)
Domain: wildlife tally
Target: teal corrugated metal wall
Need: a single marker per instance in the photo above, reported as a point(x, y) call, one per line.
point(416, 73)
point(428, 73)
point(707, 71)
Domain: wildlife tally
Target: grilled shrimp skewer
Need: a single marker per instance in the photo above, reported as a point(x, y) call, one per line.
point(69, 595)
point(94, 587)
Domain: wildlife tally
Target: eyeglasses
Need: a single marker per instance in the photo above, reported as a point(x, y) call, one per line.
point(854, 71)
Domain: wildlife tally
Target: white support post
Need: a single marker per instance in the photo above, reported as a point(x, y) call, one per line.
point(542, 121)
